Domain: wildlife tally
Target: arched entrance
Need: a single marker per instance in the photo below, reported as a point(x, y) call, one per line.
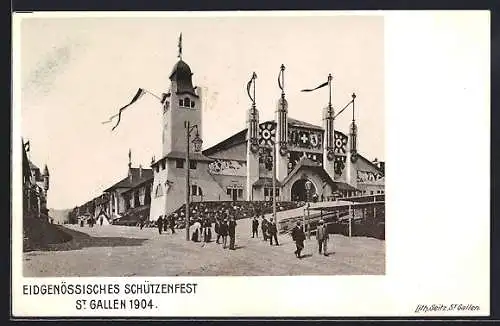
point(300, 191)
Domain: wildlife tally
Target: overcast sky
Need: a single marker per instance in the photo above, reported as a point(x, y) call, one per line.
point(76, 72)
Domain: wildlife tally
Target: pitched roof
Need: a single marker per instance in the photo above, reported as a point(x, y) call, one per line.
point(147, 174)
point(264, 181)
point(371, 163)
point(298, 123)
point(240, 137)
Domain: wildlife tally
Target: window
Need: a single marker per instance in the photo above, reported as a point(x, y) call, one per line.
point(163, 165)
point(266, 191)
point(192, 104)
point(157, 168)
point(229, 191)
point(192, 165)
point(371, 192)
point(196, 190)
point(187, 102)
point(240, 193)
point(181, 102)
point(179, 163)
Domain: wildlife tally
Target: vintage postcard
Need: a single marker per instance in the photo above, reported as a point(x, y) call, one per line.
point(163, 160)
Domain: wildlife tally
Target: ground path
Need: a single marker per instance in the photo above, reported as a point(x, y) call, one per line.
point(128, 251)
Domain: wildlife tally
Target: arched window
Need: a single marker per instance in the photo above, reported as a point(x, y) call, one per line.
point(159, 191)
point(196, 190)
point(192, 104)
point(181, 102)
point(187, 103)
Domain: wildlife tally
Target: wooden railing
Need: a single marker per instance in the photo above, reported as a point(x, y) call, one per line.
point(364, 218)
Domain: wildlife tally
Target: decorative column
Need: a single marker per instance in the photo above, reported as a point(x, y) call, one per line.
point(281, 130)
point(352, 153)
point(252, 140)
point(329, 136)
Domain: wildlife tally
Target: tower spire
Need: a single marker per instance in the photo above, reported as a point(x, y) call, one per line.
point(179, 45)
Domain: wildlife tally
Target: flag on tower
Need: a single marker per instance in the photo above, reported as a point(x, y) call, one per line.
point(313, 89)
point(137, 96)
point(27, 146)
point(180, 47)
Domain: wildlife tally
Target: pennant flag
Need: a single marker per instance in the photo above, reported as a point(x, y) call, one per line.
point(279, 79)
point(320, 86)
point(249, 84)
point(137, 96)
point(163, 97)
point(180, 47)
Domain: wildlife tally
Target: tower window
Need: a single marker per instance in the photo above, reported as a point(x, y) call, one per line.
point(179, 163)
point(187, 103)
point(192, 165)
point(163, 165)
point(192, 104)
point(181, 102)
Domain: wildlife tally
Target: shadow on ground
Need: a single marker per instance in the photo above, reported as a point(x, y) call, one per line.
point(81, 240)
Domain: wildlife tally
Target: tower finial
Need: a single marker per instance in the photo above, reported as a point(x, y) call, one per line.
point(129, 158)
point(179, 55)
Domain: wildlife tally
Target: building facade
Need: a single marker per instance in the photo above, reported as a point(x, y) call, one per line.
point(35, 186)
point(312, 162)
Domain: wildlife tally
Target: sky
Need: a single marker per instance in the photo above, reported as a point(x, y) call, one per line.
point(77, 72)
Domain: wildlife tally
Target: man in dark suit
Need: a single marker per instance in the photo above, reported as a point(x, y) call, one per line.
point(159, 223)
point(263, 227)
point(171, 223)
point(255, 227)
point(273, 232)
point(298, 236)
point(232, 232)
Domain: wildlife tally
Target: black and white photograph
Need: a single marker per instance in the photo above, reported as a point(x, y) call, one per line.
point(251, 152)
point(245, 153)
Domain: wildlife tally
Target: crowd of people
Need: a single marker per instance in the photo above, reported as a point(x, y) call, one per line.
point(238, 209)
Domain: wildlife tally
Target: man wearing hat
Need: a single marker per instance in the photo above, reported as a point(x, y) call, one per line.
point(298, 236)
point(322, 237)
point(273, 232)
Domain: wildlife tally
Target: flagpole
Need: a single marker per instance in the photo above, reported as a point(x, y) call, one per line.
point(274, 184)
point(330, 93)
point(353, 97)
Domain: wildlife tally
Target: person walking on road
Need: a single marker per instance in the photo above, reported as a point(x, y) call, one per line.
point(255, 227)
point(207, 234)
point(223, 229)
point(159, 223)
point(298, 236)
point(171, 223)
point(196, 231)
point(273, 232)
point(232, 232)
point(263, 227)
point(217, 229)
point(322, 238)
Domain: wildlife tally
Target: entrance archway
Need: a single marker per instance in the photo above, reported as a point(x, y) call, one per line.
point(299, 190)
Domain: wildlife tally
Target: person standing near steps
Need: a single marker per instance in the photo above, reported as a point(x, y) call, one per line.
point(232, 232)
point(255, 227)
point(273, 232)
point(322, 238)
point(298, 236)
